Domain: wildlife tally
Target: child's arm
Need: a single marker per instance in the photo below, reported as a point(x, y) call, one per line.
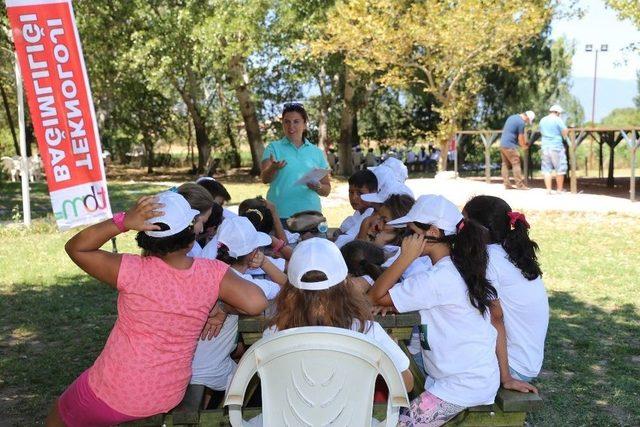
point(84, 247)
point(278, 230)
point(241, 294)
point(412, 247)
point(507, 381)
point(274, 272)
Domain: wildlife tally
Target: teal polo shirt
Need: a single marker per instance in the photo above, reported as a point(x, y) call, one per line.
point(288, 197)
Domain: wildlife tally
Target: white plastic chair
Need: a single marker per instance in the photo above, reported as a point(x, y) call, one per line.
point(316, 376)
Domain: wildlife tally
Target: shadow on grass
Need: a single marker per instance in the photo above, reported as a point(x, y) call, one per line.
point(591, 372)
point(49, 335)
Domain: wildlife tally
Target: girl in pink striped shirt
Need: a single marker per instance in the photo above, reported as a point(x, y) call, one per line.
point(164, 299)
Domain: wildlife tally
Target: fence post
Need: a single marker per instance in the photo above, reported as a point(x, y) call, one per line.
point(574, 177)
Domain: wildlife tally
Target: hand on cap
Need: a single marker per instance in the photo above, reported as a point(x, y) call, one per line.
point(412, 246)
point(146, 208)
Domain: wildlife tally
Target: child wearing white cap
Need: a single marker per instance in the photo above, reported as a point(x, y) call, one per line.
point(240, 247)
point(457, 338)
point(164, 299)
point(360, 183)
point(317, 294)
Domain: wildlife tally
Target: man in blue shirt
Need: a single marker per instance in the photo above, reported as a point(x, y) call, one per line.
point(512, 137)
point(554, 156)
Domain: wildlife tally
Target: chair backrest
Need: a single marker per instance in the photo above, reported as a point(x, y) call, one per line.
point(316, 376)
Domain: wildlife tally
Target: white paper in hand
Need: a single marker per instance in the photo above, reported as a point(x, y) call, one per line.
point(313, 176)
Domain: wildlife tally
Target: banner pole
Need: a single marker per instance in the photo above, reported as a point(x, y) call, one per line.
point(24, 160)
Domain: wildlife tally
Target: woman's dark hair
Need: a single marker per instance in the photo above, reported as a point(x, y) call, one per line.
point(295, 107)
point(469, 255)
point(223, 255)
point(492, 213)
point(399, 205)
point(337, 306)
point(196, 196)
point(257, 212)
point(364, 178)
point(214, 220)
point(163, 245)
point(363, 258)
point(215, 189)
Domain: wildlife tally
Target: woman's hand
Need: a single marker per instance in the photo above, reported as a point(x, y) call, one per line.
point(146, 208)
point(315, 186)
point(276, 165)
point(412, 246)
point(214, 323)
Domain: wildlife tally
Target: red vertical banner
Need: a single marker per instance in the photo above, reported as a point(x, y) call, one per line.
point(57, 87)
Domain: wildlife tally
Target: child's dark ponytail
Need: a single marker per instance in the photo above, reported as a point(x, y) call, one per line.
point(507, 228)
point(363, 258)
point(520, 248)
point(469, 255)
point(223, 255)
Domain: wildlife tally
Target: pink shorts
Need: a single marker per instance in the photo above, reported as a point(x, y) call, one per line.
point(79, 406)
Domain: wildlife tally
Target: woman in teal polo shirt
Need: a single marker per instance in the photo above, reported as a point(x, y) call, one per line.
point(286, 160)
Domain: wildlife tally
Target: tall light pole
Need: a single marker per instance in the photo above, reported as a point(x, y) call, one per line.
point(589, 48)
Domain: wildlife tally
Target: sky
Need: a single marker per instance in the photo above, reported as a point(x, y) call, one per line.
point(598, 26)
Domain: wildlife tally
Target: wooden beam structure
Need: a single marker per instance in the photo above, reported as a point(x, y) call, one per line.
point(611, 136)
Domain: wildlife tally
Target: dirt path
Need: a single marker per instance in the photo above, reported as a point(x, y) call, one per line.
point(460, 190)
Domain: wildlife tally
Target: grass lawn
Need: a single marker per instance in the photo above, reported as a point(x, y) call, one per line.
point(55, 320)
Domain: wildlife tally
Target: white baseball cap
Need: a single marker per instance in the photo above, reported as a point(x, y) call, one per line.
point(386, 190)
point(432, 209)
point(316, 254)
point(177, 215)
point(556, 109)
point(531, 115)
point(396, 166)
point(240, 236)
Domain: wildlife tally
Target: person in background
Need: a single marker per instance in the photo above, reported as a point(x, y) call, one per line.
point(357, 158)
point(512, 137)
point(423, 158)
point(332, 159)
point(370, 159)
point(554, 156)
point(411, 160)
point(288, 159)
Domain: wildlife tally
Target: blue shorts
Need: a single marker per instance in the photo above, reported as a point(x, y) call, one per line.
point(553, 159)
point(517, 375)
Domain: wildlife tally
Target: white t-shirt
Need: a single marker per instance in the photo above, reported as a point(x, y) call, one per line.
point(212, 365)
point(526, 311)
point(351, 226)
point(374, 331)
point(419, 265)
point(458, 343)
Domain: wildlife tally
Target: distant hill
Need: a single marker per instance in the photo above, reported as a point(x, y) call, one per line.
point(610, 94)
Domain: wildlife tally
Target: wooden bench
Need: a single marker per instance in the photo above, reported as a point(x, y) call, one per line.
point(510, 407)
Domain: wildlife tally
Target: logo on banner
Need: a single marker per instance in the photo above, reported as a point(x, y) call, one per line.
point(55, 80)
point(72, 208)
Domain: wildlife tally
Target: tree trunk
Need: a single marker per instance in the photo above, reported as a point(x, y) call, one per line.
point(7, 110)
point(235, 155)
point(147, 141)
point(240, 83)
point(444, 150)
point(203, 144)
point(346, 124)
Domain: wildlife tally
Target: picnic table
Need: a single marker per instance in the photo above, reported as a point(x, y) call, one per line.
point(510, 407)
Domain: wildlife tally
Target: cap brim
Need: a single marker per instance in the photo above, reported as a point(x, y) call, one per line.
point(263, 239)
point(166, 233)
point(400, 222)
point(372, 198)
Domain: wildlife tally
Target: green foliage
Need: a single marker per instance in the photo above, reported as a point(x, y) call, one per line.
point(623, 117)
